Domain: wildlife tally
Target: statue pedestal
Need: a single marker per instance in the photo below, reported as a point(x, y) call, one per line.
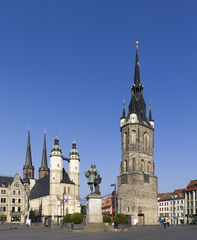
point(94, 206)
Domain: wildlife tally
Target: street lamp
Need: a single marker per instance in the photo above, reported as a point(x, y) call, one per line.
point(114, 185)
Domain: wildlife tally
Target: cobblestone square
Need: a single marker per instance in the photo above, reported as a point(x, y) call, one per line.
point(138, 233)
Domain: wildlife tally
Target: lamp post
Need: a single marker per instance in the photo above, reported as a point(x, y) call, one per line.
point(114, 185)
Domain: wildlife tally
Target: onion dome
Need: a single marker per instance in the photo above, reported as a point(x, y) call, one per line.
point(56, 146)
point(74, 150)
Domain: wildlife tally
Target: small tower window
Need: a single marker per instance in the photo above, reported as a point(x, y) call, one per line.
point(133, 137)
point(134, 164)
point(30, 174)
point(124, 143)
point(146, 142)
point(126, 165)
point(149, 167)
point(142, 165)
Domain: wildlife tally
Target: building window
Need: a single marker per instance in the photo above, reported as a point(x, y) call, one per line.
point(16, 184)
point(149, 167)
point(13, 209)
point(14, 192)
point(68, 190)
point(19, 200)
point(19, 209)
point(30, 174)
point(126, 165)
point(124, 141)
point(142, 165)
point(13, 200)
point(146, 142)
point(64, 189)
point(3, 191)
point(134, 164)
point(133, 137)
point(2, 209)
point(3, 200)
point(19, 192)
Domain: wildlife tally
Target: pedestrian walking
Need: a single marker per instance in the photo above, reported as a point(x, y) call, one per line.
point(164, 223)
point(160, 222)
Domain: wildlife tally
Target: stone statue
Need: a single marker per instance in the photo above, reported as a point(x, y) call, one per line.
point(94, 178)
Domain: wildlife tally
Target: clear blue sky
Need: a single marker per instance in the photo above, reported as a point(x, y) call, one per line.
point(67, 65)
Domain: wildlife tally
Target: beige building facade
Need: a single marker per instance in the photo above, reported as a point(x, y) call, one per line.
point(13, 199)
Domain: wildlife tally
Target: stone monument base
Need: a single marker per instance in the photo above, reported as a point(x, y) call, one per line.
point(94, 206)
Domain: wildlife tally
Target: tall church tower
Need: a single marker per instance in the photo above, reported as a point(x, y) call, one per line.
point(44, 170)
point(137, 183)
point(28, 168)
point(74, 168)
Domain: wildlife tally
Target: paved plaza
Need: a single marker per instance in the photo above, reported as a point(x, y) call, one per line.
point(138, 233)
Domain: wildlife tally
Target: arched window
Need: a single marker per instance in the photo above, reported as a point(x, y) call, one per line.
point(126, 165)
point(124, 140)
point(146, 142)
point(134, 164)
point(149, 167)
point(142, 165)
point(29, 174)
point(133, 137)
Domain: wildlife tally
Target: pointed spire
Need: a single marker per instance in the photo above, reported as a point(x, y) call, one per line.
point(137, 67)
point(150, 113)
point(123, 112)
point(28, 161)
point(44, 165)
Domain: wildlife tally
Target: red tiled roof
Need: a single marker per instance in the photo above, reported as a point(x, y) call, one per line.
point(165, 196)
point(191, 186)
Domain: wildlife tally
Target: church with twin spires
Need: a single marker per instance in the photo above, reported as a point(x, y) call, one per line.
point(54, 194)
point(137, 183)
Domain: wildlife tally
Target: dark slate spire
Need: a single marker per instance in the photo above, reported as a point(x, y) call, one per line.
point(28, 161)
point(150, 113)
point(123, 111)
point(137, 68)
point(137, 104)
point(44, 165)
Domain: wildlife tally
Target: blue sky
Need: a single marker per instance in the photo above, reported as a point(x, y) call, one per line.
point(66, 66)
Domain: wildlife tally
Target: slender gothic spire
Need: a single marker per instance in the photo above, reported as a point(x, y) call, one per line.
point(150, 113)
point(44, 165)
point(137, 67)
point(28, 161)
point(123, 112)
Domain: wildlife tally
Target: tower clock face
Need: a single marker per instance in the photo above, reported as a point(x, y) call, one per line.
point(133, 117)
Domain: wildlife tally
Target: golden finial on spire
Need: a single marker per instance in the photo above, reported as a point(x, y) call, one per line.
point(137, 42)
